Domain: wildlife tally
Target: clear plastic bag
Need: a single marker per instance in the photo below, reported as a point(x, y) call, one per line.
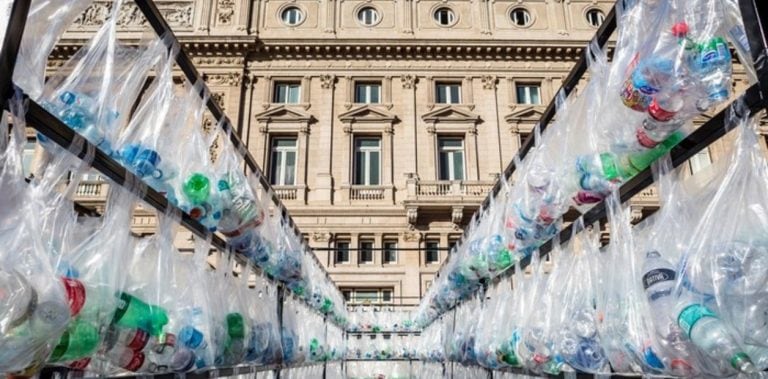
point(34, 310)
point(575, 326)
point(722, 287)
point(46, 22)
point(81, 94)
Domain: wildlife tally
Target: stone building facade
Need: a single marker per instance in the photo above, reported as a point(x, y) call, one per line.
point(381, 123)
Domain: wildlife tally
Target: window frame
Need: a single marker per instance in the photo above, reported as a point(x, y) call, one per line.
point(451, 151)
point(289, 84)
point(427, 250)
point(527, 86)
point(388, 251)
point(368, 85)
point(694, 166)
point(338, 250)
point(367, 151)
point(528, 17)
point(448, 97)
point(451, 16)
point(600, 17)
point(284, 11)
point(365, 250)
point(284, 151)
point(374, 21)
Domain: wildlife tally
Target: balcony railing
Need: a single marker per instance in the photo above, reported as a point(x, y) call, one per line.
point(367, 192)
point(444, 188)
point(92, 190)
point(287, 192)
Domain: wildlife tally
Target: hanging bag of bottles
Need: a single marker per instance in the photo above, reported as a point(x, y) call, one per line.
point(82, 93)
point(46, 22)
point(722, 289)
point(33, 305)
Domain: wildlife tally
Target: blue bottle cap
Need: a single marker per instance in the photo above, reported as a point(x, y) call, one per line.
point(191, 337)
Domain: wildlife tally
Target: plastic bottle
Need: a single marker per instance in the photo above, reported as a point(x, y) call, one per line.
point(712, 67)
point(130, 360)
point(133, 313)
point(133, 338)
point(80, 340)
point(710, 335)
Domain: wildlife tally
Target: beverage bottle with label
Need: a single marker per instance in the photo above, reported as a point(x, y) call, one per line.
point(712, 338)
point(80, 340)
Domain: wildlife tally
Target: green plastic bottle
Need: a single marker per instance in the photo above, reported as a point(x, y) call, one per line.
point(134, 313)
point(80, 340)
point(197, 188)
point(627, 166)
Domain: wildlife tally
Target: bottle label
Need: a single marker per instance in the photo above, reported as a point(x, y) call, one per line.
point(657, 276)
point(139, 340)
point(80, 364)
point(75, 295)
point(691, 315)
point(136, 362)
point(122, 306)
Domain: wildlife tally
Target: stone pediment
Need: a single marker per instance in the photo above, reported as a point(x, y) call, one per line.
point(529, 113)
point(449, 114)
point(284, 113)
point(368, 113)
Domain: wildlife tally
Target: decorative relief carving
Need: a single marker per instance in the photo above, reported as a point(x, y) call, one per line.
point(408, 81)
point(327, 81)
point(413, 215)
point(489, 81)
point(226, 11)
point(220, 61)
point(321, 237)
point(219, 98)
point(232, 79)
point(177, 13)
point(457, 213)
point(411, 236)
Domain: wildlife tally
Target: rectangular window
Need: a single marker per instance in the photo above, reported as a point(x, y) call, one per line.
point(347, 295)
point(366, 252)
point(386, 296)
point(448, 93)
point(287, 93)
point(528, 94)
point(390, 252)
point(282, 170)
point(432, 252)
point(342, 252)
point(366, 296)
point(367, 161)
point(451, 161)
point(452, 245)
point(700, 161)
point(28, 157)
point(367, 93)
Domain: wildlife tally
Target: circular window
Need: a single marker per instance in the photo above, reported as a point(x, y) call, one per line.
point(368, 16)
point(520, 17)
point(595, 17)
point(292, 16)
point(445, 17)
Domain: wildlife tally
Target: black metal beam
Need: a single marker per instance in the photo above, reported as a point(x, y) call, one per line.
point(10, 49)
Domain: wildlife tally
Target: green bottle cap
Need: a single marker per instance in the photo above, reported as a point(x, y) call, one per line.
point(80, 340)
point(197, 188)
point(743, 363)
point(643, 160)
point(235, 325)
point(503, 259)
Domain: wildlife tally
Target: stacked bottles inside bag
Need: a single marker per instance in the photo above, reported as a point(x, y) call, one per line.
point(378, 319)
point(672, 62)
point(80, 291)
point(382, 346)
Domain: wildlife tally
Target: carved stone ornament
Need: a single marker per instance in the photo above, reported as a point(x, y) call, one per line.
point(489, 81)
point(219, 98)
point(412, 214)
point(326, 81)
point(457, 213)
point(177, 13)
point(411, 236)
point(232, 79)
point(408, 81)
point(226, 11)
point(321, 237)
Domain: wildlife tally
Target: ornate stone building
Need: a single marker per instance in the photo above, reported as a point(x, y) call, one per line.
point(381, 123)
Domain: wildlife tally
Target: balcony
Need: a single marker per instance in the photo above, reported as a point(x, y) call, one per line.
point(363, 193)
point(92, 191)
point(447, 191)
point(290, 193)
point(647, 198)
